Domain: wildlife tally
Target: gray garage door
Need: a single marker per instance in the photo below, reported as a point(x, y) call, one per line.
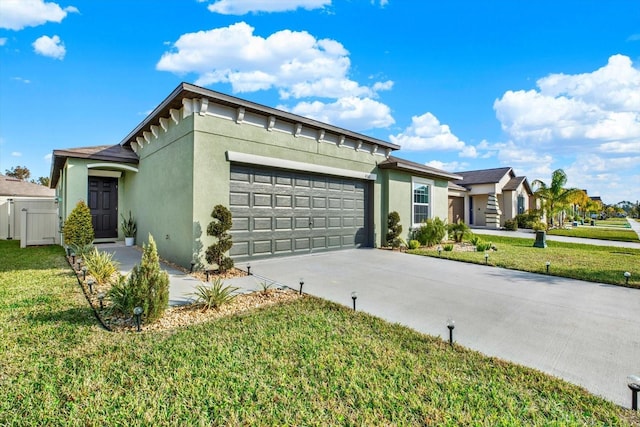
point(277, 212)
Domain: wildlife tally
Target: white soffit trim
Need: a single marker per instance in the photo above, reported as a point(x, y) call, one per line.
point(110, 166)
point(252, 159)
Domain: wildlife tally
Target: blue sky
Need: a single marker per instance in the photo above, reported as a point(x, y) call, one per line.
point(460, 85)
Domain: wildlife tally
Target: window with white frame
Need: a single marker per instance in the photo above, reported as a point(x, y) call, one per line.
point(421, 206)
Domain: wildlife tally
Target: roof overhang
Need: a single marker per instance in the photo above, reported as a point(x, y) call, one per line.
point(417, 169)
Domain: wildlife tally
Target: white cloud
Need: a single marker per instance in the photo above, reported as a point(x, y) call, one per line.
point(47, 157)
point(576, 111)
point(294, 63)
point(18, 14)
point(427, 133)
point(16, 154)
point(241, 7)
point(21, 80)
point(448, 166)
point(50, 46)
point(350, 112)
point(3, 41)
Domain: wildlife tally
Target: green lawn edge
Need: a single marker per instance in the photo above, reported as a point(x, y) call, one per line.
point(310, 362)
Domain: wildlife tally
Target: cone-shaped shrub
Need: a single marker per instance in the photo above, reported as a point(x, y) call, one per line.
point(78, 228)
point(148, 285)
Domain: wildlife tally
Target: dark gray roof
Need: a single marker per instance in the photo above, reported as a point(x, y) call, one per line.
point(484, 176)
point(16, 188)
point(416, 168)
point(456, 187)
point(108, 153)
point(515, 182)
point(186, 90)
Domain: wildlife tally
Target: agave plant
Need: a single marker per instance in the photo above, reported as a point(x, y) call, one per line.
point(214, 296)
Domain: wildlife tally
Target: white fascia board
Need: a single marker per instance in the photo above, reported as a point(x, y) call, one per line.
point(252, 159)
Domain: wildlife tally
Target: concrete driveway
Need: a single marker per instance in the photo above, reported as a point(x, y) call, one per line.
point(586, 333)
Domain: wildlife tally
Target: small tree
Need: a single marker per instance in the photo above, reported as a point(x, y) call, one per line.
point(218, 228)
point(149, 285)
point(394, 229)
point(78, 228)
point(431, 232)
point(458, 230)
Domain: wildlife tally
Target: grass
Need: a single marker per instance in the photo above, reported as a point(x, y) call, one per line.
point(309, 362)
point(609, 229)
point(603, 264)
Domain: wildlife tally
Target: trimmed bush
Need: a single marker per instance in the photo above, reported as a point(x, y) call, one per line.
point(431, 232)
point(511, 225)
point(527, 219)
point(394, 229)
point(147, 286)
point(219, 228)
point(78, 228)
point(414, 244)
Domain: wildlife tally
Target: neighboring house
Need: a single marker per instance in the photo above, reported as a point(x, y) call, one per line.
point(294, 185)
point(16, 197)
point(488, 197)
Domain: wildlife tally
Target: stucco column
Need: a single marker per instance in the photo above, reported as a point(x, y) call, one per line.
point(493, 213)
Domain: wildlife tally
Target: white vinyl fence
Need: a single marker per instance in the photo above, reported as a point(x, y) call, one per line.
point(32, 221)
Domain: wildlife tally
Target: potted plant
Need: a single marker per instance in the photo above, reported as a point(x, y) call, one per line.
point(129, 230)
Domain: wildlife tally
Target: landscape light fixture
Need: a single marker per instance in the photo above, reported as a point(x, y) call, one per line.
point(634, 386)
point(101, 296)
point(451, 324)
point(248, 269)
point(193, 263)
point(206, 272)
point(548, 265)
point(90, 283)
point(486, 258)
point(301, 285)
point(84, 272)
point(354, 297)
point(138, 312)
point(73, 258)
point(68, 250)
point(439, 250)
point(626, 277)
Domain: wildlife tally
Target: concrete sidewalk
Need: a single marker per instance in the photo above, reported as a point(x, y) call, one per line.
point(529, 234)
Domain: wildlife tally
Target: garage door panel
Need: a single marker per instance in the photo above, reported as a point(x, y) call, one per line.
point(280, 212)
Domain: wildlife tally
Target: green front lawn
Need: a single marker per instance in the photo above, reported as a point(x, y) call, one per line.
point(586, 231)
point(604, 264)
point(309, 362)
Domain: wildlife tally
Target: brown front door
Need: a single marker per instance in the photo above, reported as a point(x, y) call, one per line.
point(103, 202)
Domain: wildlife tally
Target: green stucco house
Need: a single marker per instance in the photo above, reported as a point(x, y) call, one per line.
point(294, 185)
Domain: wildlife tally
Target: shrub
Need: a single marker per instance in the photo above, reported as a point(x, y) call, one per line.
point(78, 228)
point(431, 232)
point(394, 229)
point(474, 240)
point(101, 265)
point(539, 226)
point(82, 250)
point(214, 296)
point(511, 225)
point(448, 247)
point(458, 231)
point(266, 287)
point(527, 219)
point(147, 286)
point(414, 244)
point(482, 246)
point(218, 228)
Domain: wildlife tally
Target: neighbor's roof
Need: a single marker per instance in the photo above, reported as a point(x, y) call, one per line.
point(515, 182)
point(108, 153)
point(189, 91)
point(484, 176)
point(417, 168)
point(455, 187)
point(14, 187)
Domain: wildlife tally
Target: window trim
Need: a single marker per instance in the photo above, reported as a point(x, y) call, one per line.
point(429, 184)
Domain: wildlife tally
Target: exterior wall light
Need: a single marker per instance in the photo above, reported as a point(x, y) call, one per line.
point(137, 312)
point(301, 285)
point(354, 297)
point(626, 277)
point(451, 324)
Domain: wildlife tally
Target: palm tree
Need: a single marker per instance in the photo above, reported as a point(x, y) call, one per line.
point(554, 197)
